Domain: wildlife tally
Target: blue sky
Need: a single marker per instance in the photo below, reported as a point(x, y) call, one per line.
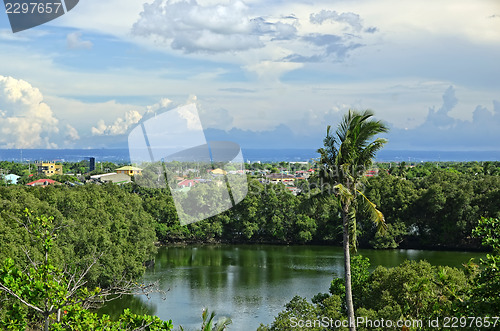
point(263, 73)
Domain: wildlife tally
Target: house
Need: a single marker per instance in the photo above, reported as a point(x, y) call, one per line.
point(187, 183)
point(371, 173)
point(280, 178)
point(218, 172)
point(237, 172)
point(116, 179)
point(49, 168)
point(129, 170)
point(98, 177)
point(302, 174)
point(294, 190)
point(43, 182)
point(112, 177)
point(11, 179)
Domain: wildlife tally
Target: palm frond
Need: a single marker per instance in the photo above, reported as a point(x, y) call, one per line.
point(222, 323)
point(366, 156)
point(376, 215)
point(369, 129)
point(207, 325)
point(344, 194)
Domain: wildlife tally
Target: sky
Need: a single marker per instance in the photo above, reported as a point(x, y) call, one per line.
point(263, 73)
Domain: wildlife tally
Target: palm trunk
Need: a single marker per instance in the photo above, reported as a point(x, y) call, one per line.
point(347, 268)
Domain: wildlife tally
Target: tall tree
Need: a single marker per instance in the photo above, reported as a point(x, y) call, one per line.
point(345, 157)
point(47, 290)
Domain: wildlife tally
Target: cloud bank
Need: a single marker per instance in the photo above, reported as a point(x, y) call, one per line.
point(232, 26)
point(440, 131)
point(352, 19)
point(25, 120)
point(191, 27)
point(120, 126)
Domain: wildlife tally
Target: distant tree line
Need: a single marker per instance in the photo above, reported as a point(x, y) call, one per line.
point(436, 209)
point(429, 205)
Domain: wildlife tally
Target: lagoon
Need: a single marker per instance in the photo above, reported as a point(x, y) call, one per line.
point(252, 283)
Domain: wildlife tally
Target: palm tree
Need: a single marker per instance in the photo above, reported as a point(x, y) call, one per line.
point(208, 322)
point(345, 157)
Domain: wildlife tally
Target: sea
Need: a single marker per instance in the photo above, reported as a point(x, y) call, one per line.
point(249, 155)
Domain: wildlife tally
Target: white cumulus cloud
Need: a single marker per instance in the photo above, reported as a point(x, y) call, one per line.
point(214, 28)
point(120, 126)
point(71, 133)
point(162, 104)
point(25, 120)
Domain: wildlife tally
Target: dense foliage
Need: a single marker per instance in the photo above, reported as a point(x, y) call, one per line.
point(41, 292)
point(436, 209)
point(425, 205)
point(428, 205)
point(98, 219)
point(415, 292)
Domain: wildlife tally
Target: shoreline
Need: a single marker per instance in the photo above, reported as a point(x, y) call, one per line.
point(323, 244)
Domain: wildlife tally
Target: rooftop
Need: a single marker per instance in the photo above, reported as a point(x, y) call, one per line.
point(42, 182)
point(129, 168)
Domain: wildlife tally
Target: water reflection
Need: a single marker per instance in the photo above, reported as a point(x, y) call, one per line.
point(138, 306)
point(251, 283)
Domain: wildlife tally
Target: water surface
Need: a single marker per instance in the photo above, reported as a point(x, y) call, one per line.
point(252, 283)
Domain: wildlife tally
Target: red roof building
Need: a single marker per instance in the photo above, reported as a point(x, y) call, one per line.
point(371, 173)
point(188, 183)
point(43, 182)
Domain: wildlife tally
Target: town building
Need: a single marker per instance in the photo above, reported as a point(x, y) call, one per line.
point(129, 170)
point(91, 164)
point(371, 173)
point(11, 179)
point(294, 190)
point(112, 177)
point(280, 178)
point(188, 183)
point(218, 172)
point(43, 182)
point(49, 168)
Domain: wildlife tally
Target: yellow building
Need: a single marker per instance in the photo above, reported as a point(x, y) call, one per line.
point(129, 170)
point(49, 168)
point(219, 171)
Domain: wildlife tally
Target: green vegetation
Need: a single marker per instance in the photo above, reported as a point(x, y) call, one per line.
point(425, 205)
point(43, 292)
point(344, 159)
point(208, 322)
point(438, 210)
point(97, 219)
point(413, 291)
